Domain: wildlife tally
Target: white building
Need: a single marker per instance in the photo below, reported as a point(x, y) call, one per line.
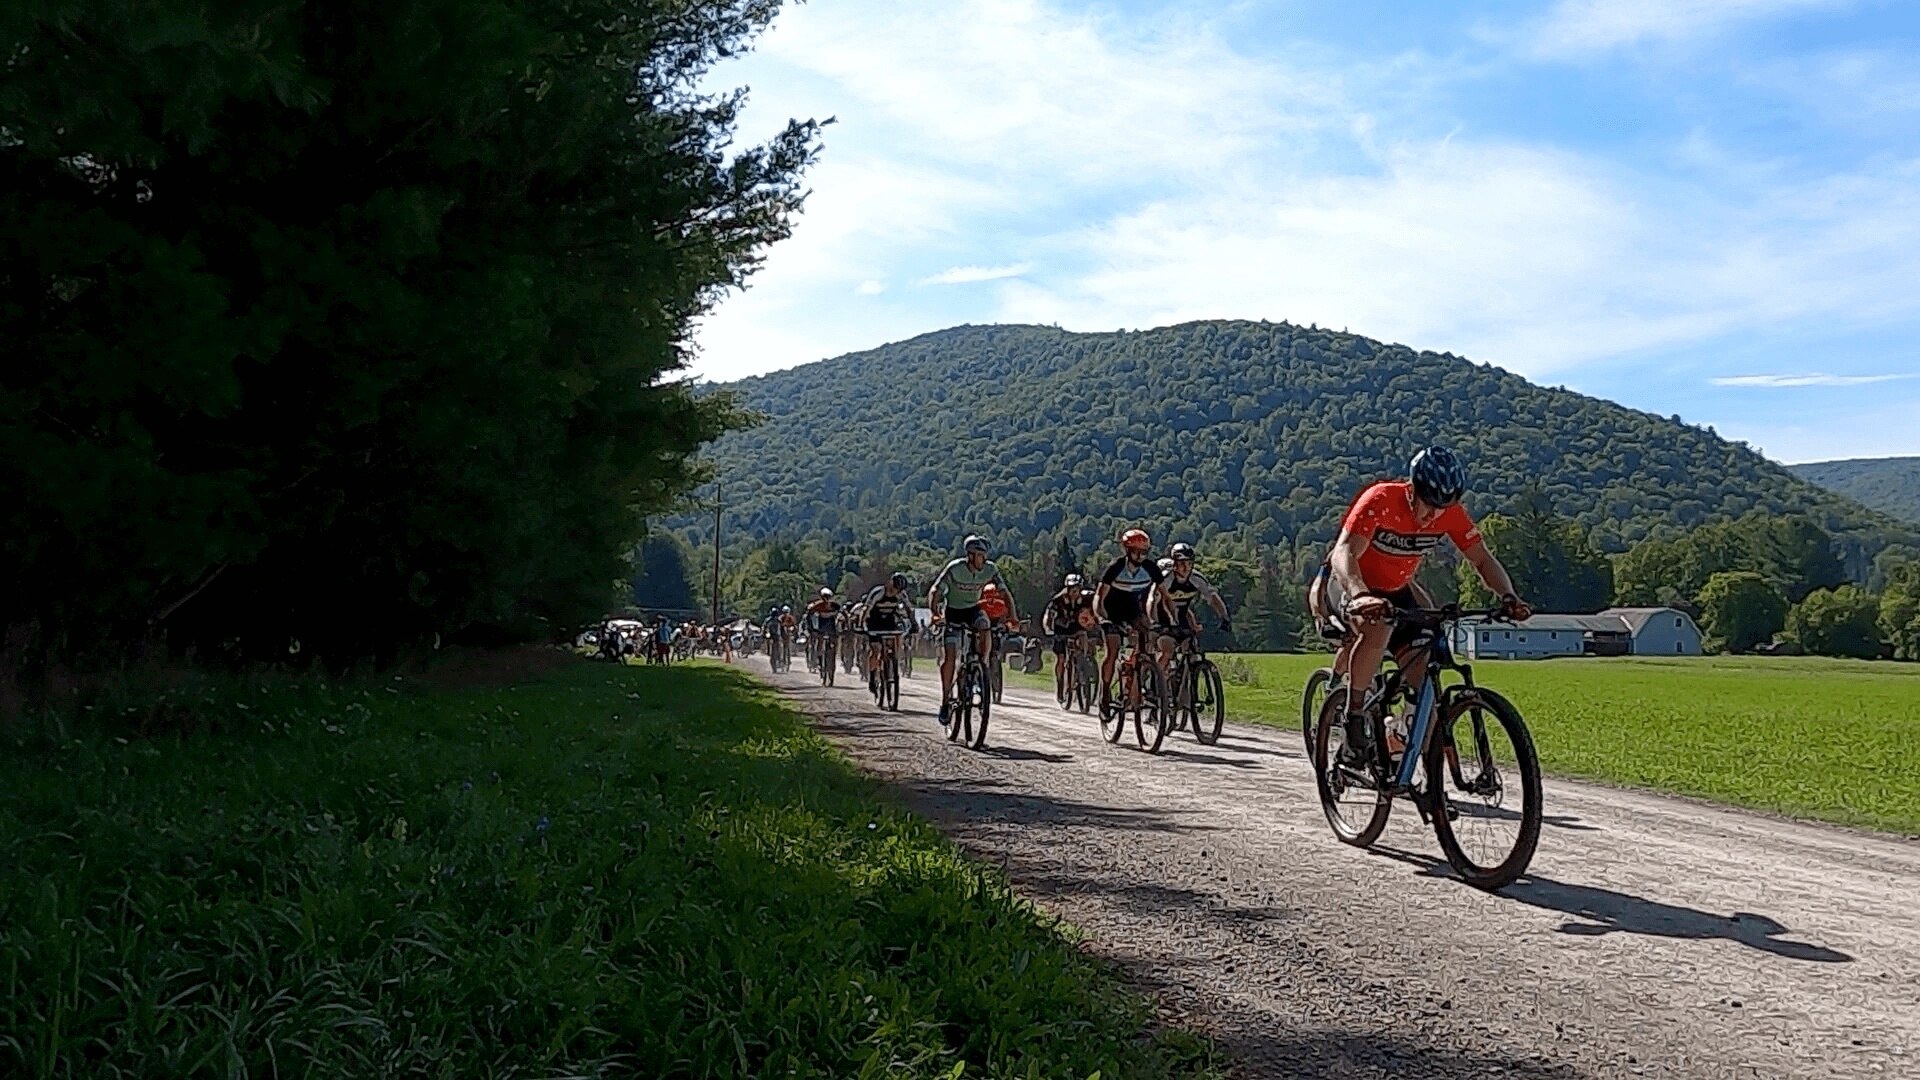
point(1613, 632)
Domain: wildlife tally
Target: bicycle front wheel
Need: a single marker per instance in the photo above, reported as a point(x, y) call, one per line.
point(1484, 786)
point(1355, 806)
point(1312, 699)
point(1113, 709)
point(1153, 715)
point(1207, 702)
point(890, 683)
point(980, 704)
point(1088, 676)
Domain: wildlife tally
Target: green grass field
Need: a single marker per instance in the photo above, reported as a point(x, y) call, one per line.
point(1805, 736)
point(606, 871)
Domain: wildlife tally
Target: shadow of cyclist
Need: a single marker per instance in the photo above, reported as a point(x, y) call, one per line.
point(1605, 911)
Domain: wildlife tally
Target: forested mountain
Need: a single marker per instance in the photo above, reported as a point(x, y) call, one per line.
point(1889, 485)
point(1234, 434)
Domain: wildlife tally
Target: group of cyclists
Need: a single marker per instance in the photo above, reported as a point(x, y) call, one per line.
point(1152, 605)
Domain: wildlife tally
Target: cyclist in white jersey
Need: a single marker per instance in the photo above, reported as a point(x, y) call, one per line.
point(954, 599)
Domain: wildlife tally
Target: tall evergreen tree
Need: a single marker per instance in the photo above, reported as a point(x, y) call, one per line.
point(382, 301)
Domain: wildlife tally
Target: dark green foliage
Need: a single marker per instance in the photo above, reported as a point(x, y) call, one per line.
point(660, 580)
point(1740, 609)
point(613, 872)
point(1791, 551)
point(1234, 435)
point(1899, 620)
point(350, 323)
point(1836, 622)
point(1889, 485)
point(1547, 556)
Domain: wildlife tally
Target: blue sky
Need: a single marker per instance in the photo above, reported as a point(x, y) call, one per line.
point(1702, 207)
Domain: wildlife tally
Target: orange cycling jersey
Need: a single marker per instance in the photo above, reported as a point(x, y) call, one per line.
point(992, 605)
point(1383, 516)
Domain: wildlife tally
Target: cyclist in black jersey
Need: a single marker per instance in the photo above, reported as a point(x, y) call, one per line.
point(1177, 621)
point(888, 613)
point(1121, 599)
point(1061, 622)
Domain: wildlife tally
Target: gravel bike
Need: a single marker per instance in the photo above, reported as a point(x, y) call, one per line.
point(1466, 761)
point(829, 644)
point(780, 654)
point(1136, 696)
point(1198, 696)
point(1081, 689)
point(884, 679)
point(972, 702)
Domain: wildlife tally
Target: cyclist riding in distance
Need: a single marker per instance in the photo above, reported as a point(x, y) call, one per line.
point(1387, 531)
point(889, 614)
point(1176, 594)
point(821, 613)
point(1121, 598)
point(954, 599)
point(1061, 621)
point(994, 605)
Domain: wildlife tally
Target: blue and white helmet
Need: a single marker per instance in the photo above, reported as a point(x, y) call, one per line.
point(1438, 477)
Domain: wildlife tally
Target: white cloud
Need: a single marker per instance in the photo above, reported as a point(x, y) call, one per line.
point(1154, 176)
point(966, 275)
point(1805, 380)
point(870, 287)
point(1579, 27)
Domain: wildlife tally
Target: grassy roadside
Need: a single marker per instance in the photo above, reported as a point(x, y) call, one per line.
point(606, 871)
point(1804, 736)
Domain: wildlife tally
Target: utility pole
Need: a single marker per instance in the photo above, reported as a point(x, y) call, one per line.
point(716, 553)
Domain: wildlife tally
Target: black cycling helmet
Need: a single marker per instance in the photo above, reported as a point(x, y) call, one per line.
point(1438, 477)
point(1182, 550)
point(898, 581)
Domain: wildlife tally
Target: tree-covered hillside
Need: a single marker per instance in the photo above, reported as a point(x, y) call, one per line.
point(1889, 485)
point(1233, 434)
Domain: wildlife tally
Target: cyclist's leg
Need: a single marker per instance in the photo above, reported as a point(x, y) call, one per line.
point(1109, 653)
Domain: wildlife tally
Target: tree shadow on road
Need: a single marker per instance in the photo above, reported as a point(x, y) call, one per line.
point(986, 799)
point(1607, 911)
point(1379, 1054)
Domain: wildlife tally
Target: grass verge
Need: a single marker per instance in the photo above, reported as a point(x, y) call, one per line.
point(607, 871)
point(1804, 736)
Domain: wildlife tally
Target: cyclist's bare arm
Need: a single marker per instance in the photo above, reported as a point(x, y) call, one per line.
point(1491, 572)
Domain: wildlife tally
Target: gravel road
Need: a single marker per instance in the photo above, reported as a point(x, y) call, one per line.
point(1655, 937)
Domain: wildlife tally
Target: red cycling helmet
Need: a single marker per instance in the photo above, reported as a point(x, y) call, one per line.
point(1136, 540)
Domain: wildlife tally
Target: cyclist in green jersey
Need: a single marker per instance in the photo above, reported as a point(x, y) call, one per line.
point(954, 599)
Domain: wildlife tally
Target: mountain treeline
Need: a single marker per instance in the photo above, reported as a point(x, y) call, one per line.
point(1244, 437)
point(1889, 485)
point(335, 329)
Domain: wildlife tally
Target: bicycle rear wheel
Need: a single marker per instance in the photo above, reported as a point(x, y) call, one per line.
point(1480, 762)
point(1153, 716)
point(1355, 807)
point(1206, 702)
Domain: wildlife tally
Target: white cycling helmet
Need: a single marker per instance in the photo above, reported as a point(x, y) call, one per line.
point(1073, 580)
point(1166, 565)
point(975, 542)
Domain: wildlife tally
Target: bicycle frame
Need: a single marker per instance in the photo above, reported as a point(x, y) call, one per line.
point(1437, 657)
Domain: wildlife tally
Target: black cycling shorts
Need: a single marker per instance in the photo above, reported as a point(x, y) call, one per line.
point(1122, 608)
point(959, 620)
point(1335, 600)
point(1061, 642)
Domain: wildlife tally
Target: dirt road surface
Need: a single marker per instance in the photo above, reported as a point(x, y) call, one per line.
point(1655, 936)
